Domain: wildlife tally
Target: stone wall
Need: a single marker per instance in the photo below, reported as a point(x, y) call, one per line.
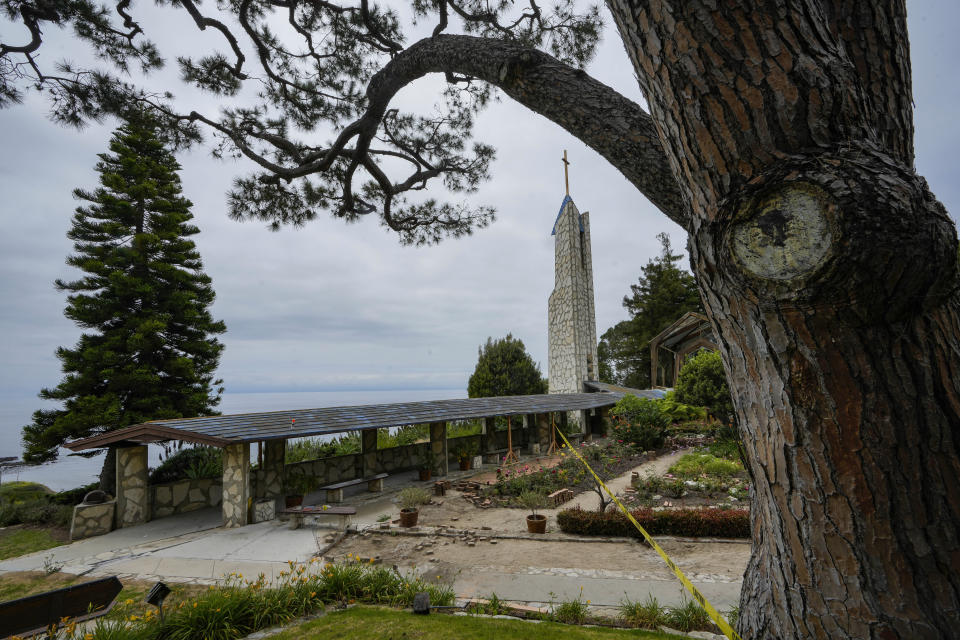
point(185, 495)
point(571, 319)
point(133, 496)
point(92, 520)
point(236, 485)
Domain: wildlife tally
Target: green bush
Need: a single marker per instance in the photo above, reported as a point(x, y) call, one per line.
point(694, 465)
point(315, 448)
point(702, 382)
point(38, 512)
point(193, 462)
point(640, 423)
point(413, 497)
point(73, 497)
point(677, 411)
point(239, 608)
point(694, 523)
point(645, 615)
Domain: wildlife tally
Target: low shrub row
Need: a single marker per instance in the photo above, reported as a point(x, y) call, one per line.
point(693, 523)
point(240, 607)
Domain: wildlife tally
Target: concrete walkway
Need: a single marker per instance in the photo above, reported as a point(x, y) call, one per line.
point(194, 548)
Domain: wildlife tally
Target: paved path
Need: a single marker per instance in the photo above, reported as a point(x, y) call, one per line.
point(193, 547)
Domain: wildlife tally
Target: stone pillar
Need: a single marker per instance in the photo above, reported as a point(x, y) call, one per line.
point(271, 484)
point(236, 484)
point(530, 429)
point(543, 431)
point(133, 491)
point(602, 417)
point(368, 453)
point(488, 439)
point(438, 445)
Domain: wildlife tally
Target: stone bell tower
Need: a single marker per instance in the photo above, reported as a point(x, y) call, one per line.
point(571, 316)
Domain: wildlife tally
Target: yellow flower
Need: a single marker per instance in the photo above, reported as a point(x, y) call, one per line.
point(194, 605)
point(371, 560)
point(134, 618)
point(88, 636)
point(128, 601)
point(313, 594)
point(588, 602)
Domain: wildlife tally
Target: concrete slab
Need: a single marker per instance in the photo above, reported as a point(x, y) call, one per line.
point(265, 542)
point(185, 567)
point(143, 564)
point(600, 591)
point(153, 533)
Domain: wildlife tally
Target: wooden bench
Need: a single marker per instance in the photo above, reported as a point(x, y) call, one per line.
point(335, 491)
point(298, 513)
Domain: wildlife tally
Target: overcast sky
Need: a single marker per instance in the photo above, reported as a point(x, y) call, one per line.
point(334, 306)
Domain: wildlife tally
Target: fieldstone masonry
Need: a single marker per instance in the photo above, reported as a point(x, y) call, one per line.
point(438, 445)
point(183, 496)
point(236, 484)
point(270, 480)
point(133, 495)
point(571, 316)
point(368, 452)
point(92, 519)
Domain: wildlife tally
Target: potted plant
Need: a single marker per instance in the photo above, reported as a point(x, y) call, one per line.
point(533, 500)
point(410, 500)
point(465, 455)
point(299, 483)
point(426, 465)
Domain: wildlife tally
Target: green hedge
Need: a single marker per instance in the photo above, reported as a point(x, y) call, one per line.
point(693, 523)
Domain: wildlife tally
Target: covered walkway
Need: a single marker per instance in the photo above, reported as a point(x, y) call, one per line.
point(243, 497)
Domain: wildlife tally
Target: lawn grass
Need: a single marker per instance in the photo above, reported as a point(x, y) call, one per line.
point(378, 623)
point(19, 584)
point(18, 541)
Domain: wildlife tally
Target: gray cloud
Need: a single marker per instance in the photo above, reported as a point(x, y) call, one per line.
point(335, 306)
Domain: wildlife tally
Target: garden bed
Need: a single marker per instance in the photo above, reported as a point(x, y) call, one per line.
point(608, 458)
point(698, 479)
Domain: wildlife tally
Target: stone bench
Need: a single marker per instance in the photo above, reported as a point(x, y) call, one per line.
point(335, 491)
point(298, 514)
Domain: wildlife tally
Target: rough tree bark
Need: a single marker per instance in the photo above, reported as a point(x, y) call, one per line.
point(829, 272)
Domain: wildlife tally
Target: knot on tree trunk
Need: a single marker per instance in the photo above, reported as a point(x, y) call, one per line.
point(849, 228)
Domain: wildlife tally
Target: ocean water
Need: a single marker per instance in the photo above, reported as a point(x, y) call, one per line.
point(71, 471)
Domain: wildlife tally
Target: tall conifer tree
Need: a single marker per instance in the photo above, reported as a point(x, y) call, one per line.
point(149, 349)
point(663, 293)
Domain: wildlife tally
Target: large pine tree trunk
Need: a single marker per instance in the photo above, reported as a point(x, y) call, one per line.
point(829, 272)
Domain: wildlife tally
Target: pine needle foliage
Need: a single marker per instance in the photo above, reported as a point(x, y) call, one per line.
point(504, 368)
point(149, 349)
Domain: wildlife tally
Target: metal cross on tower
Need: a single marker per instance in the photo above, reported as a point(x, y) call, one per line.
point(566, 172)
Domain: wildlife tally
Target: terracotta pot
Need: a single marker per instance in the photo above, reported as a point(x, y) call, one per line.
point(465, 464)
point(425, 474)
point(408, 517)
point(537, 524)
point(293, 501)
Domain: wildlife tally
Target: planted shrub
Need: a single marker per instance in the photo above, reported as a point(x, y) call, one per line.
point(702, 382)
point(640, 423)
point(413, 497)
point(693, 465)
point(677, 411)
point(193, 462)
point(693, 523)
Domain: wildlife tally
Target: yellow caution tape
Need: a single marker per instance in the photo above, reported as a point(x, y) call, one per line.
point(699, 597)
